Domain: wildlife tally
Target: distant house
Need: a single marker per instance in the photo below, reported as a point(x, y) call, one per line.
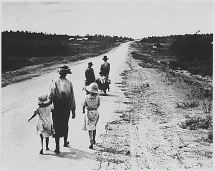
point(78, 38)
point(154, 47)
point(82, 38)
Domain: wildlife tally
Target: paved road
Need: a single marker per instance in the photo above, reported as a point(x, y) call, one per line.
point(20, 145)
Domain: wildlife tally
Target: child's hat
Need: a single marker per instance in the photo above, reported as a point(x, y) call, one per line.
point(42, 98)
point(93, 88)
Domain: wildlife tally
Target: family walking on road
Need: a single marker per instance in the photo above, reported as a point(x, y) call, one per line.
point(54, 108)
point(103, 81)
point(61, 95)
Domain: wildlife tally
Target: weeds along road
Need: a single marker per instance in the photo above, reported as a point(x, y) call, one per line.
point(20, 145)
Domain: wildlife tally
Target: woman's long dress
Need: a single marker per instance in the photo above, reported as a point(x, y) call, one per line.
point(63, 98)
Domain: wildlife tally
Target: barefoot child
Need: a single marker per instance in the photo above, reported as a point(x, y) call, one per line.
point(92, 102)
point(45, 125)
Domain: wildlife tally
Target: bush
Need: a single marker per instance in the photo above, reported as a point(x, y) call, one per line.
point(194, 123)
point(177, 64)
point(201, 68)
point(210, 135)
point(14, 64)
point(193, 47)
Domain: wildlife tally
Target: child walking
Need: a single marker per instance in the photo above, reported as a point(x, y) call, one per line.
point(91, 103)
point(102, 78)
point(44, 125)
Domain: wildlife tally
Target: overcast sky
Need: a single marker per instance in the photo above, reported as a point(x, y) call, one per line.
point(136, 19)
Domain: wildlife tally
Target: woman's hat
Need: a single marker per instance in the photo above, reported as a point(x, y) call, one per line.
point(93, 88)
point(65, 69)
point(105, 58)
point(42, 98)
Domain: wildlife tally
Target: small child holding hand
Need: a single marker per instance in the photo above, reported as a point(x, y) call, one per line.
point(44, 125)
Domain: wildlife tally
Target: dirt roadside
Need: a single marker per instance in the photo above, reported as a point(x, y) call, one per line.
point(145, 132)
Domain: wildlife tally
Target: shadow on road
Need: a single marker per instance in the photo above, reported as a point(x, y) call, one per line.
point(110, 95)
point(75, 154)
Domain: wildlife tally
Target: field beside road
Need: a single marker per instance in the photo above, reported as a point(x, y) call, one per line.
point(48, 64)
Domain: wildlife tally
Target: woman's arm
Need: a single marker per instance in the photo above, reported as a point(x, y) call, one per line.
point(72, 98)
point(83, 109)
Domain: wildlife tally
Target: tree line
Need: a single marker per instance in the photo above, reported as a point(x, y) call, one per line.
point(193, 52)
point(188, 47)
point(31, 44)
point(193, 47)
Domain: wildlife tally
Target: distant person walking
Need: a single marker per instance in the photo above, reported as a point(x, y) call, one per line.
point(45, 125)
point(62, 96)
point(105, 68)
point(89, 74)
point(91, 103)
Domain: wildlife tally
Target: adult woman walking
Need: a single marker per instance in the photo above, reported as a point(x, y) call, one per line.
point(105, 69)
point(92, 102)
point(62, 96)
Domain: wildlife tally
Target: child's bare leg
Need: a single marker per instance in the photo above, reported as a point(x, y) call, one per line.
point(41, 137)
point(91, 139)
point(94, 136)
point(47, 143)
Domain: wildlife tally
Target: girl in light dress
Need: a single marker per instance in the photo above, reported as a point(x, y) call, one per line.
point(91, 103)
point(44, 125)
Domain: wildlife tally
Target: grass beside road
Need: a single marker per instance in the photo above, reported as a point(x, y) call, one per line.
point(33, 67)
point(197, 93)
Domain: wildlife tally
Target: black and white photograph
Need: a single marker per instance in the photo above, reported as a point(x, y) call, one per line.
point(107, 85)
